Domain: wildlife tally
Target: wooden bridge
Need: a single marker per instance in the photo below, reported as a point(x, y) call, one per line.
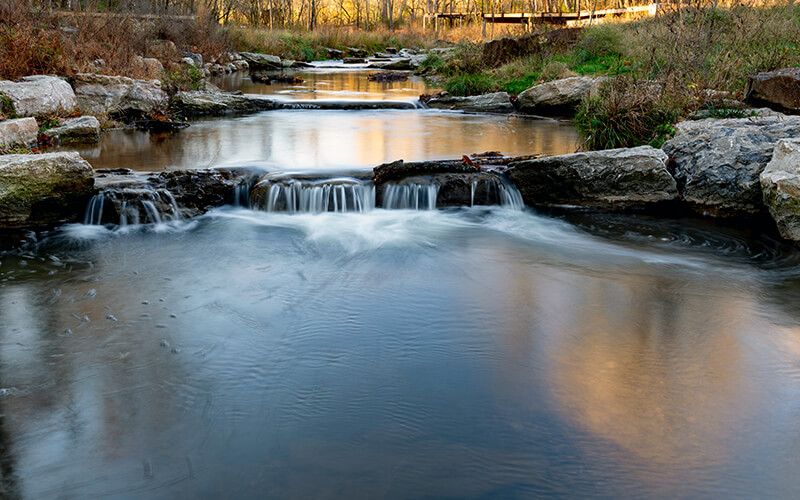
point(530, 18)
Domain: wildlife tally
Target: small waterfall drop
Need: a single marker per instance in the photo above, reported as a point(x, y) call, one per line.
point(331, 195)
point(410, 196)
point(132, 205)
point(496, 191)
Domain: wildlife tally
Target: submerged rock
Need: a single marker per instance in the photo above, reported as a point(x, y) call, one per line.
point(498, 102)
point(261, 61)
point(208, 103)
point(557, 97)
point(22, 131)
point(388, 76)
point(39, 95)
point(780, 184)
point(120, 97)
point(778, 90)
point(82, 129)
point(43, 189)
point(615, 178)
point(717, 163)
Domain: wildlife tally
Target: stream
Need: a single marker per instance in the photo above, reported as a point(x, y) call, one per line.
point(476, 352)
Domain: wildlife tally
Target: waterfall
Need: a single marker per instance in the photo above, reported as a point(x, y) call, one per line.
point(331, 195)
point(410, 196)
point(132, 205)
point(496, 191)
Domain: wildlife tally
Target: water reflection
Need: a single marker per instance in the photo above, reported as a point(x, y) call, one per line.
point(329, 84)
point(329, 139)
point(392, 354)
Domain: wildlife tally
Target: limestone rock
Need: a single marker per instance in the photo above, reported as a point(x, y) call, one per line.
point(498, 102)
point(558, 96)
point(261, 61)
point(779, 90)
point(39, 95)
point(615, 178)
point(208, 103)
point(717, 163)
point(43, 189)
point(22, 131)
point(82, 129)
point(780, 185)
point(120, 97)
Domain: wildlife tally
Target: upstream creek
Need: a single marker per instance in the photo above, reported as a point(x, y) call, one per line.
point(475, 352)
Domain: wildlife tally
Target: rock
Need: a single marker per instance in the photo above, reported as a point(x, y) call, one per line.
point(43, 189)
point(261, 61)
point(717, 163)
point(82, 129)
point(205, 103)
point(498, 102)
point(352, 105)
point(197, 191)
point(558, 96)
point(197, 58)
point(403, 64)
point(164, 50)
point(120, 97)
point(779, 90)
point(615, 178)
point(188, 61)
point(149, 66)
point(356, 52)
point(334, 53)
point(388, 76)
point(399, 169)
point(780, 185)
point(22, 131)
point(39, 95)
point(301, 64)
point(354, 60)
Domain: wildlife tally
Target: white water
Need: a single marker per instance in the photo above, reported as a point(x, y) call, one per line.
point(411, 196)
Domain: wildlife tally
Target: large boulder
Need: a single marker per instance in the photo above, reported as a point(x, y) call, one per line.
point(557, 97)
point(81, 129)
point(615, 178)
point(717, 163)
point(261, 61)
point(43, 189)
point(209, 103)
point(498, 102)
point(779, 90)
point(120, 97)
point(39, 95)
point(22, 131)
point(780, 185)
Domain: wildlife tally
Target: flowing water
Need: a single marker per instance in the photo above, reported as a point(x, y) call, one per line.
point(332, 139)
point(477, 352)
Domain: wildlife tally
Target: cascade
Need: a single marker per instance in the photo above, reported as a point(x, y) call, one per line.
point(330, 195)
point(410, 196)
point(126, 205)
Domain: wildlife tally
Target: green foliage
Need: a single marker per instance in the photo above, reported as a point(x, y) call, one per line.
point(518, 85)
point(600, 41)
point(432, 63)
point(7, 111)
point(627, 113)
point(17, 149)
point(714, 111)
point(47, 122)
point(186, 78)
point(471, 84)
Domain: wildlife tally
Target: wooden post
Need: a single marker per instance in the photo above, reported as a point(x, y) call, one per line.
point(483, 28)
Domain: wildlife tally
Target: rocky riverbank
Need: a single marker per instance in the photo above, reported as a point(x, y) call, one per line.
point(723, 168)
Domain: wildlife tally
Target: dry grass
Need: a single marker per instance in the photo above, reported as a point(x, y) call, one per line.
point(37, 42)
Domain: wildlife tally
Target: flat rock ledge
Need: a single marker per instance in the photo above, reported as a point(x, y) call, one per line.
point(38, 190)
point(614, 178)
point(780, 184)
point(717, 163)
point(498, 102)
point(208, 103)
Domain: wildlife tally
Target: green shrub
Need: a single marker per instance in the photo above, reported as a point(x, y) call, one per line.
point(7, 111)
point(627, 113)
point(600, 41)
point(471, 84)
